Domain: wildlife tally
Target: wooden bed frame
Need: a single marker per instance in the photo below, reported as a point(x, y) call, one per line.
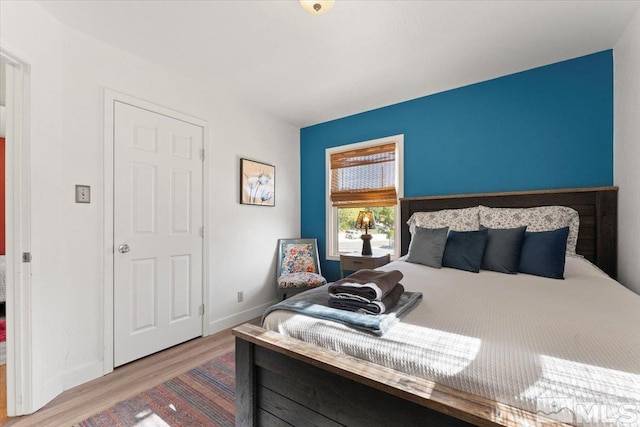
point(285, 381)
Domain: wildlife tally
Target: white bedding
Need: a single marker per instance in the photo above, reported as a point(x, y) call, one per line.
point(543, 345)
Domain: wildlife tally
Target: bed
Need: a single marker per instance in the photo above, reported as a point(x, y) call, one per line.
point(285, 380)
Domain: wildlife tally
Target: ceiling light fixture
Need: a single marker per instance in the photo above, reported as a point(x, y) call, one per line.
point(317, 7)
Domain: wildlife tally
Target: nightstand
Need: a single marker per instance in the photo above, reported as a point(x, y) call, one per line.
point(355, 261)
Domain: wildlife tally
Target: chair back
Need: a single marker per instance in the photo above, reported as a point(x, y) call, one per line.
point(298, 255)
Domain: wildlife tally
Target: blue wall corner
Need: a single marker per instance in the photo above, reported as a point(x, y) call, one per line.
point(549, 127)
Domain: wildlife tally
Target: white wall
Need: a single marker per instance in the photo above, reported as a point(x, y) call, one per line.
point(69, 73)
point(626, 58)
point(3, 120)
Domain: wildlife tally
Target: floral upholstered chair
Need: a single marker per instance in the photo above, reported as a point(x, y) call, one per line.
point(298, 266)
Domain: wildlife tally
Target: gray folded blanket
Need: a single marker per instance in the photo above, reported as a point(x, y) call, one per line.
point(368, 307)
point(371, 285)
point(314, 302)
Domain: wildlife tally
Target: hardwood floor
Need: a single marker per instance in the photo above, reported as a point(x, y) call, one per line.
point(3, 395)
point(80, 402)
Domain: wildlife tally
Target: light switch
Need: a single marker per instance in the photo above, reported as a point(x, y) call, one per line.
point(83, 194)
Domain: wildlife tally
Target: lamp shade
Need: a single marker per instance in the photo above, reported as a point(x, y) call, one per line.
point(365, 220)
point(317, 7)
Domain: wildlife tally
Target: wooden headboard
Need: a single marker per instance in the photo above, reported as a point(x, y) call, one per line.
point(597, 207)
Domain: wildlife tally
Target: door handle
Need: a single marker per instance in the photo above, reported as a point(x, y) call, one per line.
point(124, 248)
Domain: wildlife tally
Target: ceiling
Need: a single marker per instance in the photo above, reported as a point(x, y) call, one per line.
point(361, 55)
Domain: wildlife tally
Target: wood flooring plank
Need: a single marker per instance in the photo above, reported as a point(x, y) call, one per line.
point(3, 395)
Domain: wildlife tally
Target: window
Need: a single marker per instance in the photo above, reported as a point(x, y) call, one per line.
point(364, 176)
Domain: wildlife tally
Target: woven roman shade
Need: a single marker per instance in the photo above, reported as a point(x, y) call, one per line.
point(364, 177)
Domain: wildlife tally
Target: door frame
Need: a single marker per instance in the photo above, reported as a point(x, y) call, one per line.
point(110, 97)
point(18, 234)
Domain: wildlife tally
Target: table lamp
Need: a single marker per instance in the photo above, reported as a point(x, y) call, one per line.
point(365, 220)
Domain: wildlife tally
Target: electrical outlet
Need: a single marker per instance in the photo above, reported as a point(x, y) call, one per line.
point(83, 194)
point(240, 296)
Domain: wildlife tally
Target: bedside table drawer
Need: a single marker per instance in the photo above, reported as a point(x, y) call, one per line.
point(355, 262)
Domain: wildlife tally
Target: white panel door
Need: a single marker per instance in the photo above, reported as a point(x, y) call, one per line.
point(157, 225)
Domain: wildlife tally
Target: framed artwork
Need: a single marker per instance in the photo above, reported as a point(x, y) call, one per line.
point(257, 183)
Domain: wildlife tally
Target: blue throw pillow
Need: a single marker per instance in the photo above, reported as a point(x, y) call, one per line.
point(427, 246)
point(464, 250)
point(543, 253)
point(502, 252)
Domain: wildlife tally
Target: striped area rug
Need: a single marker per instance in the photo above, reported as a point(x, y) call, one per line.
point(204, 396)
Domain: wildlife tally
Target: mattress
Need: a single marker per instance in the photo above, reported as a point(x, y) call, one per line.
point(569, 349)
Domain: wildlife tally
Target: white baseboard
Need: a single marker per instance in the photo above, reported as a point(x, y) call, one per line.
point(238, 318)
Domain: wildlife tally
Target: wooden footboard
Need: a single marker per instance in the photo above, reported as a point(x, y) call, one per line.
point(285, 381)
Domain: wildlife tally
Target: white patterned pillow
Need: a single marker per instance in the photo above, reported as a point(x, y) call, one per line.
point(465, 219)
point(542, 218)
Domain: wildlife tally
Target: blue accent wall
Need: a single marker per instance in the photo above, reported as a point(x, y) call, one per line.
point(549, 127)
